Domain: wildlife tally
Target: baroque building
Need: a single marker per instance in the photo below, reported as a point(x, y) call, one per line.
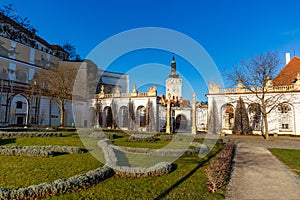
point(22, 54)
point(282, 120)
point(147, 111)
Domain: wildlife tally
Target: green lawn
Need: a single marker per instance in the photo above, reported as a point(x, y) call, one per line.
point(187, 181)
point(291, 158)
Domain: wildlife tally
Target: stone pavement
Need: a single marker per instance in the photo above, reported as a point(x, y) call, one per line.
point(258, 175)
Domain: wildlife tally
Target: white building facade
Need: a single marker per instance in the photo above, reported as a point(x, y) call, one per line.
point(283, 118)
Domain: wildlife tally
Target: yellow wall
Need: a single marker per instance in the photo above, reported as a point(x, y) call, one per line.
point(23, 53)
point(5, 46)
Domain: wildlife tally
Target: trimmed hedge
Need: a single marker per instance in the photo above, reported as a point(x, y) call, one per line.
point(218, 171)
point(203, 149)
point(109, 149)
point(141, 138)
point(4, 134)
point(159, 169)
point(60, 186)
point(38, 151)
point(95, 133)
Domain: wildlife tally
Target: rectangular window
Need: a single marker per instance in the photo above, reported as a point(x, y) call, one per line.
point(285, 126)
point(19, 105)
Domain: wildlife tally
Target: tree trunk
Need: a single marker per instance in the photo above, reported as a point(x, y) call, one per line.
point(62, 113)
point(266, 126)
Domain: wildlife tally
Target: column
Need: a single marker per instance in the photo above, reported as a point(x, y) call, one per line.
point(168, 126)
point(194, 129)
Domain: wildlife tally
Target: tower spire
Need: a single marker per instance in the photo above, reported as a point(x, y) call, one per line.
point(173, 73)
point(173, 58)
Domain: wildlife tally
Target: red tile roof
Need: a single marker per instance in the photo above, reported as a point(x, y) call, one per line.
point(288, 73)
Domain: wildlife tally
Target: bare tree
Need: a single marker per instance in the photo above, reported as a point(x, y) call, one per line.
point(71, 51)
point(57, 82)
point(254, 76)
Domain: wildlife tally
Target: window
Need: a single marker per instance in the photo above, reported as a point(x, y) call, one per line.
point(285, 117)
point(19, 104)
point(285, 126)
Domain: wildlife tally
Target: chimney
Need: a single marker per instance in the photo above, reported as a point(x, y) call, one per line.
point(287, 58)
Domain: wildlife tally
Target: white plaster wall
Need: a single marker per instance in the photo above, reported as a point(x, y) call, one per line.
point(292, 98)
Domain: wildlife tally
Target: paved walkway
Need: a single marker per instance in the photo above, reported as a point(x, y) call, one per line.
point(258, 175)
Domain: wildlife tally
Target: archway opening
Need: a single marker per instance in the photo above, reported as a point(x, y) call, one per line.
point(141, 116)
point(19, 110)
point(124, 114)
point(181, 123)
point(107, 117)
point(227, 117)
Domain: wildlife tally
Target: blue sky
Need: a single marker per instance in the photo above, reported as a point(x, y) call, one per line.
point(229, 30)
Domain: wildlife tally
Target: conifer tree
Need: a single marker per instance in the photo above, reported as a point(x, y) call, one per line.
point(241, 119)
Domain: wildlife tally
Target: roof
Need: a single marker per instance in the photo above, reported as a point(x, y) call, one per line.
point(288, 74)
point(32, 34)
point(57, 47)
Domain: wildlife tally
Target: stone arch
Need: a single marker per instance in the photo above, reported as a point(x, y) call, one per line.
point(107, 117)
point(19, 110)
point(227, 116)
point(124, 117)
point(255, 116)
point(141, 116)
point(181, 122)
point(285, 117)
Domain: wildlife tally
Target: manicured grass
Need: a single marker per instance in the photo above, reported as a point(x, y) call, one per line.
point(289, 157)
point(187, 181)
point(20, 171)
point(69, 139)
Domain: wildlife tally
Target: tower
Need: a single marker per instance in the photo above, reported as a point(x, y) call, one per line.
point(173, 83)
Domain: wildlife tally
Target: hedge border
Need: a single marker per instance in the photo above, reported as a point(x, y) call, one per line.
point(160, 169)
point(60, 186)
point(219, 169)
point(6, 134)
point(38, 151)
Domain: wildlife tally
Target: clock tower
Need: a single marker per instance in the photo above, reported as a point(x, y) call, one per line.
point(173, 83)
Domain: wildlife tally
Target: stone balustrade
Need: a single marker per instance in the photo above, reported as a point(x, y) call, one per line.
point(281, 88)
point(125, 95)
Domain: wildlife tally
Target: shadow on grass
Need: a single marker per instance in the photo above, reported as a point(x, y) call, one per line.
point(174, 186)
point(7, 141)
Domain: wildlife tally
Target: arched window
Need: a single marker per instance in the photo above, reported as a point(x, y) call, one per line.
point(285, 117)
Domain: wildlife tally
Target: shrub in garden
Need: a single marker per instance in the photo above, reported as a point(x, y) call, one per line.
point(218, 171)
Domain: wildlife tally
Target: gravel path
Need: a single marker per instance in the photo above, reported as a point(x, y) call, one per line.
point(258, 175)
